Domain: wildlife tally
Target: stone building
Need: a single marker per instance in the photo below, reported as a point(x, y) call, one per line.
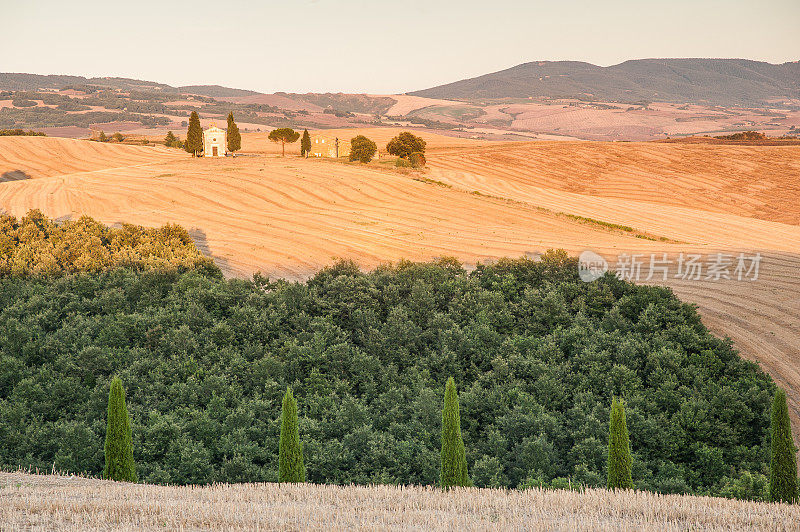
point(327, 146)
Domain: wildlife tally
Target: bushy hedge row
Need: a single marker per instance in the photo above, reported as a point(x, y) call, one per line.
point(37, 245)
point(538, 355)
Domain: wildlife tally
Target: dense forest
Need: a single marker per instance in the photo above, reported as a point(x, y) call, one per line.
point(537, 356)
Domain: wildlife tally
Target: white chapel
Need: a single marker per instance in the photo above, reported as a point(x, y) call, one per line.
point(214, 142)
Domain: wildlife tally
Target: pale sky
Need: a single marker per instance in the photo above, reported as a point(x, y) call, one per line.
point(375, 46)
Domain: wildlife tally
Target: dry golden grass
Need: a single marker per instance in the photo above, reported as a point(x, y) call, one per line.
point(71, 503)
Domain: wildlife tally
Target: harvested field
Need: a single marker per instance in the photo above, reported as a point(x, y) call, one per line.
point(72, 503)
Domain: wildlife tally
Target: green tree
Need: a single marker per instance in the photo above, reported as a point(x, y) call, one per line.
point(117, 137)
point(305, 144)
point(102, 137)
point(362, 149)
point(290, 451)
point(284, 135)
point(118, 448)
point(405, 144)
point(170, 140)
point(194, 136)
point(783, 465)
point(453, 457)
point(234, 137)
point(619, 451)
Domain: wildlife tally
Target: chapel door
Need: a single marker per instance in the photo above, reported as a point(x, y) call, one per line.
point(214, 151)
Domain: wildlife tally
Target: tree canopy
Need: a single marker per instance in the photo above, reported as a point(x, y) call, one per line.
point(538, 355)
point(37, 245)
point(405, 144)
point(362, 149)
point(283, 135)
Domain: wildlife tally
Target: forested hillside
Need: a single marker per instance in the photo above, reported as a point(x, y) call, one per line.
point(537, 356)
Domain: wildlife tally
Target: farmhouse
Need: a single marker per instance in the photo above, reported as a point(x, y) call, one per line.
point(214, 142)
point(327, 146)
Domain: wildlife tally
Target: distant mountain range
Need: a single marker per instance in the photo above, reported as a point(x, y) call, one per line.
point(704, 81)
point(32, 82)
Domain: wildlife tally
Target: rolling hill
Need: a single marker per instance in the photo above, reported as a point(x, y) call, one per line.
point(699, 81)
point(289, 217)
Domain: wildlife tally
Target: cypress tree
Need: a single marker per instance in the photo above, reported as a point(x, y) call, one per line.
point(783, 466)
point(194, 136)
point(619, 451)
point(234, 137)
point(170, 139)
point(305, 144)
point(118, 448)
point(453, 458)
point(290, 451)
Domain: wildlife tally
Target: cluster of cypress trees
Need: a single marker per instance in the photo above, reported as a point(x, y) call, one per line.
point(783, 485)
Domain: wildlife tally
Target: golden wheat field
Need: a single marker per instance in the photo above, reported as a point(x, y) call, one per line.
point(477, 201)
point(72, 503)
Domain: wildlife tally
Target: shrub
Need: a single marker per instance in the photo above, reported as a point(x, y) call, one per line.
point(362, 149)
point(417, 159)
point(402, 163)
point(117, 137)
point(749, 486)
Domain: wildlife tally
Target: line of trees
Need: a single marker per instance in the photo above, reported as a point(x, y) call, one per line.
point(783, 486)
point(409, 148)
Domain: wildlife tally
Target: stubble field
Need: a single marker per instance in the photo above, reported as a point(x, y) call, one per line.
point(70, 503)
